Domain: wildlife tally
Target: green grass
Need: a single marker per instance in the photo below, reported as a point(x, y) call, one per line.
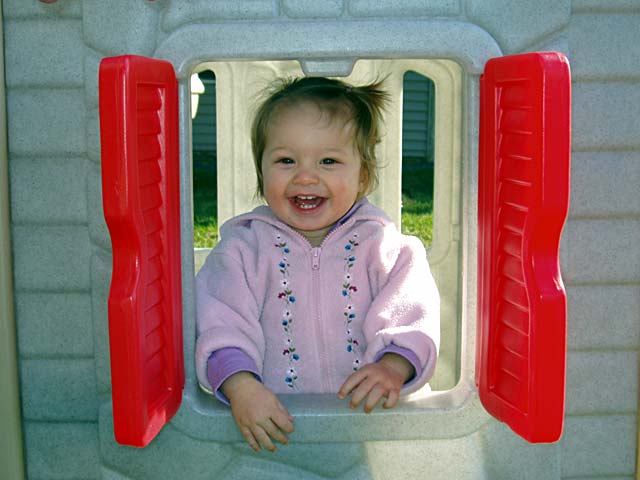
point(205, 203)
point(417, 204)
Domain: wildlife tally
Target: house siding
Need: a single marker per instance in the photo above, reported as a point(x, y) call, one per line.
point(62, 258)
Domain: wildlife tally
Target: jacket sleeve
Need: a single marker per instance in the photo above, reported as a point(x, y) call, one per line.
point(227, 314)
point(405, 311)
point(224, 363)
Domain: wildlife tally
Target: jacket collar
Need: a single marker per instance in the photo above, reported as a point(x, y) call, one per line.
point(361, 211)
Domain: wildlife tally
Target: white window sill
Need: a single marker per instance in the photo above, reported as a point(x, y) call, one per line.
point(324, 418)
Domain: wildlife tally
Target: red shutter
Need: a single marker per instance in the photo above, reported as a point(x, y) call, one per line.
point(525, 134)
point(140, 190)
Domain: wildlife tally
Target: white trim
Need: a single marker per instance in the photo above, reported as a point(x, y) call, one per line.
point(465, 43)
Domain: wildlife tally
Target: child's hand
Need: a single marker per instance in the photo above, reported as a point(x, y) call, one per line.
point(258, 413)
point(373, 381)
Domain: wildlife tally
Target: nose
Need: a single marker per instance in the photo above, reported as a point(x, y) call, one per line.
point(305, 175)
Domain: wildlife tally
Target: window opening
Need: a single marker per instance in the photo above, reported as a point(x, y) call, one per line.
point(205, 196)
point(419, 193)
point(418, 119)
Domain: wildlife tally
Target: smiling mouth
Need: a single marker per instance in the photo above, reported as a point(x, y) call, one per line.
point(307, 202)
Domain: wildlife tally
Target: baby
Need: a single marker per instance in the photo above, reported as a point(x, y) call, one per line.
point(317, 292)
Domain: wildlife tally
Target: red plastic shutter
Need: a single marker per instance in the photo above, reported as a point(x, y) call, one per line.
point(140, 190)
point(525, 135)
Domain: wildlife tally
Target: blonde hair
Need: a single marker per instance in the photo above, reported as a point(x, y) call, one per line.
point(363, 106)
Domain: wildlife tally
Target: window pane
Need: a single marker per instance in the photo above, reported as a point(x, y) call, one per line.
point(205, 197)
point(417, 156)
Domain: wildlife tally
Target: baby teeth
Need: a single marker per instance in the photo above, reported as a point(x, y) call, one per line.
point(301, 201)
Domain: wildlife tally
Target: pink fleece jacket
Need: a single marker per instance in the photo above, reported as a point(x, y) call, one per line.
point(309, 316)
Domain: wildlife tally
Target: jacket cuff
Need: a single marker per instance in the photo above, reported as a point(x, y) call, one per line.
point(226, 362)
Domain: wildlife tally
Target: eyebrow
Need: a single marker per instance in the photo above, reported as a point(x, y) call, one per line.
point(287, 150)
point(275, 150)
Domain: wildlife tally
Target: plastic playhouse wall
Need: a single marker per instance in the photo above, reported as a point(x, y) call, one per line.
point(61, 250)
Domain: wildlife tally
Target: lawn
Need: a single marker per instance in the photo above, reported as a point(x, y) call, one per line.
point(417, 204)
point(205, 202)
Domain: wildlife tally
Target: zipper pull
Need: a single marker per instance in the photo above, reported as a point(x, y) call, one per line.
point(315, 258)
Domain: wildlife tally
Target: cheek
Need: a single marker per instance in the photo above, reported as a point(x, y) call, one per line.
point(272, 182)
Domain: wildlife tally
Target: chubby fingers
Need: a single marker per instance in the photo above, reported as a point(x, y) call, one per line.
point(369, 386)
point(369, 391)
point(274, 428)
point(362, 386)
point(265, 434)
point(282, 419)
point(373, 397)
point(350, 383)
point(273, 433)
point(247, 433)
point(392, 399)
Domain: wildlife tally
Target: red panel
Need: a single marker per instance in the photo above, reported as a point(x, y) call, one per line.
point(140, 189)
point(525, 134)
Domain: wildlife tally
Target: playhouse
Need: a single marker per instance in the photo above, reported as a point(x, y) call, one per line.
point(558, 397)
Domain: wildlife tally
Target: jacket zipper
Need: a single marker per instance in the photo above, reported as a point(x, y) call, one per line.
point(315, 276)
point(323, 361)
point(315, 272)
point(315, 258)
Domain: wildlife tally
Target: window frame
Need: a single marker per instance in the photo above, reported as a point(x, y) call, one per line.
point(445, 414)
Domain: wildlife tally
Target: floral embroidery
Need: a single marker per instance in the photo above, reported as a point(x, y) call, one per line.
point(288, 299)
point(348, 291)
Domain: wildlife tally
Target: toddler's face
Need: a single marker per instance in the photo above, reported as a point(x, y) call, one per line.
point(311, 167)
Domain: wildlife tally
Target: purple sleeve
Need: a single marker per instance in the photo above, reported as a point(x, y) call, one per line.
point(411, 357)
point(225, 362)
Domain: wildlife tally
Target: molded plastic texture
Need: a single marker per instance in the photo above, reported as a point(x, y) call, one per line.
point(140, 189)
point(525, 136)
